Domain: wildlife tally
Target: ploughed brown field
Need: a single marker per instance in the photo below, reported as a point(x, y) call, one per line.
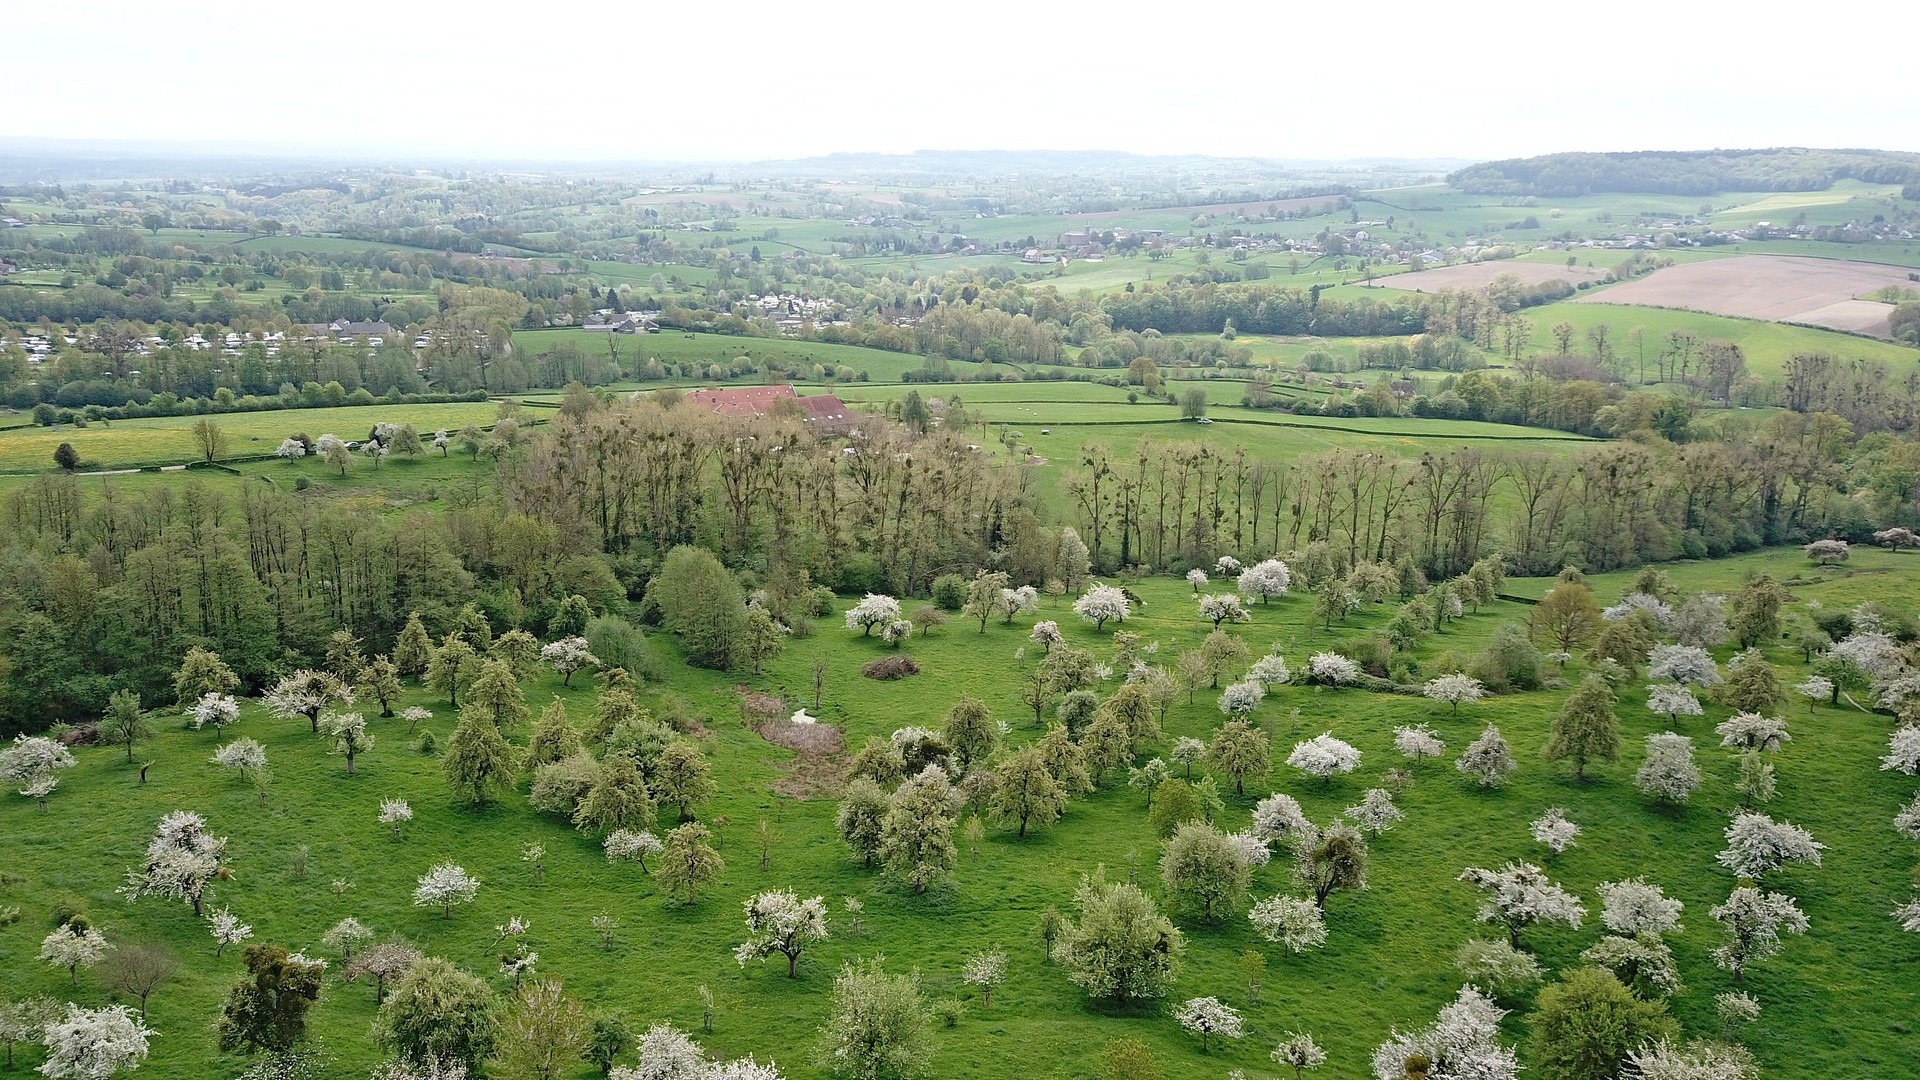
point(1480, 274)
point(1817, 292)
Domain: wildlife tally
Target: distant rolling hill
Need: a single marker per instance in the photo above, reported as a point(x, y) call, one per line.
point(1689, 172)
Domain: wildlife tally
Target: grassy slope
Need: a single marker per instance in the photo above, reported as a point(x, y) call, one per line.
point(1837, 1001)
point(170, 439)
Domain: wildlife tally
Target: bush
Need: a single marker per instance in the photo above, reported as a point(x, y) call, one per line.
point(949, 1010)
point(860, 574)
point(619, 643)
point(888, 668)
point(1510, 662)
point(819, 602)
point(1372, 652)
point(950, 592)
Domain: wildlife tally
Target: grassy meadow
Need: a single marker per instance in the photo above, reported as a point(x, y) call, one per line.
point(169, 439)
point(1838, 1002)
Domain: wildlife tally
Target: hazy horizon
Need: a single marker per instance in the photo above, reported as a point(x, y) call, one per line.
point(497, 84)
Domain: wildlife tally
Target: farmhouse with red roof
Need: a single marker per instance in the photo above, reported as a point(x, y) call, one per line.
point(824, 412)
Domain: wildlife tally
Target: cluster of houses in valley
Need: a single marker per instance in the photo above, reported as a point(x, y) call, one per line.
point(342, 331)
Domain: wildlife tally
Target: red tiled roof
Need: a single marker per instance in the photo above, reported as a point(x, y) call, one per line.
point(741, 401)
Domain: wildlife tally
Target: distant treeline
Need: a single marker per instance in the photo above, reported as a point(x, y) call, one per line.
point(1701, 172)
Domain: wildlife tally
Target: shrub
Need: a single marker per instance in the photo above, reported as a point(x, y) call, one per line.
point(950, 592)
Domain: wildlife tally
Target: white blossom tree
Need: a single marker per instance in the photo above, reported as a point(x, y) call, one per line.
point(624, 844)
point(1210, 1018)
point(1299, 1052)
point(1754, 921)
point(1324, 756)
point(1520, 895)
point(183, 860)
point(1816, 689)
point(1226, 566)
point(1641, 603)
point(347, 936)
point(896, 631)
point(1907, 821)
point(444, 885)
point(1751, 731)
point(1661, 1060)
point(1903, 751)
point(985, 970)
point(778, 921)
point(1673, 699)
point(1101, 603)
point(665, 1053)
point(1687, 664)
point(1418, 742)
point(745, 1068)
point(1265, 580)
point(1875, 653)
point(291, 449)
point(73, 945)
point(1015, 602)
point(1250, 848)
point(1487, 759)
point(1270, 671)
point(1196, 577)
point(349, 734)
point(1635, 906)
point(1332, 669)
point(213, 710)
point(245, 756)
point(1554, 830)
point(1242, 698)
point(1454, 690)
point(1278, 819)
point(395, 813)
point(94, 1044)
point(1758, 845)
point(1908, 916)
point(1293, 921)
point(1186, 751)
point(1046, 634)
point(1463, 1043)
point(304, 694)
point(1668, 774)
point(227, 929)
point(875, 610)
point(1223, 607)
point(31, 762)
point(1375, 812)
point(568, 655)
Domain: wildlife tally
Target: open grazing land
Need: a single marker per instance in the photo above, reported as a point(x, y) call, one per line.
point(1819, 292)
point(954, 616)
point(1480, 275)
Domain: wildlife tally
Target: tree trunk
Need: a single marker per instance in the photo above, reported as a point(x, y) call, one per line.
point(793, 965)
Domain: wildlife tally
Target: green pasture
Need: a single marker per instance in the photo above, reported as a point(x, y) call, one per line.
point(169, 440)
point(1837, 1003)
point(1767, 345)
point(679, 347)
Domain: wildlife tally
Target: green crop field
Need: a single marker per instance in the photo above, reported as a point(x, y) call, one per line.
point(166, 440)
point(1837, 1002)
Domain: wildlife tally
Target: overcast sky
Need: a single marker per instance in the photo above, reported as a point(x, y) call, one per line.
point(731, 81)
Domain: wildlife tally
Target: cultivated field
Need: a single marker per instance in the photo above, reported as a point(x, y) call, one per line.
point(1820, 292)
